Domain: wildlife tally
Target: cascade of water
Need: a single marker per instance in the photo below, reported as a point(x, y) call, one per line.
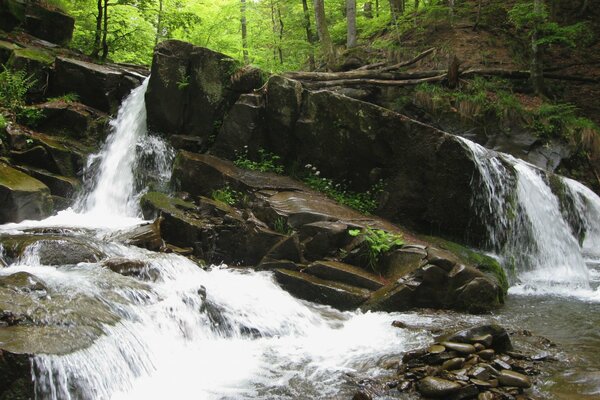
point(526, 224)
point(127, 153)
point(587, 205)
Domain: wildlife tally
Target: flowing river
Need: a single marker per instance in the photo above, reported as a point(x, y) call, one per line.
point(224, 333)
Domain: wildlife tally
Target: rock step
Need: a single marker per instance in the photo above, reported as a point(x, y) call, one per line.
point(22, 197)
point(308, 287)
point(344, 273)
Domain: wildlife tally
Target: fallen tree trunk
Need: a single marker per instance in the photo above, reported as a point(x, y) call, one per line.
point(377, 82)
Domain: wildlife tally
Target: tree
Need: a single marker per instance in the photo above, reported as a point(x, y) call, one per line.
point(396, 9)
point(244, 32)
point(309, 35)
point(324, 37)
point(351, 18)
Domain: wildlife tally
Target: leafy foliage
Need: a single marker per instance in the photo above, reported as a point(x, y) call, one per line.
point(378, 242)
point(365, 202)
point(226, 195)
point(268, 162)
point(13, 88)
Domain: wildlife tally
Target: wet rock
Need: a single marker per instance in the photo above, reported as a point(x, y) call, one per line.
point(437, 387)
point(126, 266)
point(413, 355)
point(465, 392)
point(332, 270)
point(401, 262)
point(500, 364)
point(308, 287)
point(99, 86)
point(62, 186)
point(15, 376)
point(392, 297)
point(22, 197)
point(72, 119)
point(486, 396)
point(512, 378)
point(146, 236)
point(455, 363)
point(459, 347)
point(486, 354)
point(66, 251)
point(436, 348)
point(23, 282)
point(500, 338)
point(479, 347)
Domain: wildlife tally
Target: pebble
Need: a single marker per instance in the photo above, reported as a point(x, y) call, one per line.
point(512, 378)
point(485, 396)
point(501, 364)
point(479, 382)
point(479, 346)
point(455, 363)
point(486, 340)
point(436, 349)
point(486, 354)
point(437, 387)
point(460, 347)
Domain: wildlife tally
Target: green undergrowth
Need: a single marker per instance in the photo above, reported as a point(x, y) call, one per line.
point(267, 162)
point(226, 195)
point(365, 202)
point(481, 99)
point(378, 242)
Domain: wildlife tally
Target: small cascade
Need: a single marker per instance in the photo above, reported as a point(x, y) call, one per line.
point(530, 227)
point(129, 159)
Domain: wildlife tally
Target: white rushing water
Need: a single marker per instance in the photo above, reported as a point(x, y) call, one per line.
point(185, 332)
point(530, 229)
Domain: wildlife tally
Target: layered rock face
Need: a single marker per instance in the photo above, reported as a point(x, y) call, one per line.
point(428, 173)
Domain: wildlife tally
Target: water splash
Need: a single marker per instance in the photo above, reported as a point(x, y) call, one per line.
point(130, 158)
point(527, 225)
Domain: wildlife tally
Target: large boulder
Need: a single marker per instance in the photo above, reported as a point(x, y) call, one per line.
point(191, 88)
point(37, 19)
point(428, 173)
point(37, 65)
point(22, 197)
point(100, 86)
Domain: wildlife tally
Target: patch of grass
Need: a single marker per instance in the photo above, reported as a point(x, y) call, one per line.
point(280, 225)
point(365, 202)
point(65, 98)
point(267, 162)
point(378, 242)
point(226, 195)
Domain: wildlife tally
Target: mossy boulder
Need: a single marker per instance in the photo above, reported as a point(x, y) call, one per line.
point(192, 88)
point(22, 197)
point(6, 50)
point(37, 64)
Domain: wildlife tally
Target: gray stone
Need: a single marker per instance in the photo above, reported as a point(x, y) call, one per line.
point(512, 378)
point(437, 387)
point(460, 347)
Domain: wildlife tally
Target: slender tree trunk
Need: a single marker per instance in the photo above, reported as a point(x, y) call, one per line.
point(105, 33)
point(244, 33)
point(279, 49)
point(309, 35)
point(351, 19)
point(451, 5)
point(98, 33)
point(396, 9)
point(584, 7)
point(377, 8)
point(537, 75)
point(274, 30)
point(326, 43)
point(159, 22)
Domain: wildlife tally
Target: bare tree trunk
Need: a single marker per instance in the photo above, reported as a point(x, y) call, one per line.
point(98, 33)
point(244, 33)
point(377, 8)
point(105, 33)
point(159, 22)
point(584, 7)
point(274, 30)
point(309, 35)
point(280, 50)
point(351, 19)
point(396, 9)
point(537, 73)
point(368, 10)
point(326, 43)
point(451, 4)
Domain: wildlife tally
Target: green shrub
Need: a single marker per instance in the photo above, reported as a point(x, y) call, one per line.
point(365, 202)
point(65, 98)
point(30, 116)
point(13, 88)
point(226, 195)
point(378, 242)
point(268, 162)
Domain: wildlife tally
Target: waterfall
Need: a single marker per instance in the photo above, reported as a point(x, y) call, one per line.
point(530, 227)
point(114, 187)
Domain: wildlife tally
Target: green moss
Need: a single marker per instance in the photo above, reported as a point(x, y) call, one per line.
point(482, 262)
point(165, 202)
point(34, 54)
point(16, 180)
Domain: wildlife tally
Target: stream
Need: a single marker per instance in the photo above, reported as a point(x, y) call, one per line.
point(224, 333)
